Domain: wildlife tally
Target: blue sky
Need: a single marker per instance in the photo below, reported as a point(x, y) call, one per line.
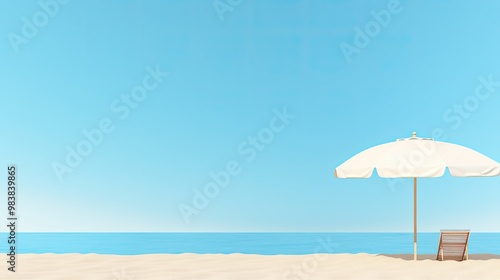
point(198, 80)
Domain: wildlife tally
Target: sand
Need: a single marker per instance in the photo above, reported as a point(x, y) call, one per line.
point(240, 267)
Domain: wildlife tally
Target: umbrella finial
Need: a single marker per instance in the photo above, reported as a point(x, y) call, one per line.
point(414, 134)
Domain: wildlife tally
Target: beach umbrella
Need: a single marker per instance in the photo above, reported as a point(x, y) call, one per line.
point(417, 157)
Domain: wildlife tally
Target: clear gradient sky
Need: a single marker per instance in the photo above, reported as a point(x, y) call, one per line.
point(275, 93)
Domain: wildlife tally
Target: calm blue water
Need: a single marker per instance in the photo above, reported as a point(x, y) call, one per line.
point(247, 243)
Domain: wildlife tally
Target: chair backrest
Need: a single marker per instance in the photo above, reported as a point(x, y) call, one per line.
point(453, 245)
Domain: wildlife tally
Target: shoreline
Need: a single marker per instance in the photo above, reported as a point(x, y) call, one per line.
point(248, 266)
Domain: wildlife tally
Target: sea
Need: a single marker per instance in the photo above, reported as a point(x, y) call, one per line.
point(245, 243)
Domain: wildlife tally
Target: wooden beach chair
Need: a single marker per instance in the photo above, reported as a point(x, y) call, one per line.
point(453, 245)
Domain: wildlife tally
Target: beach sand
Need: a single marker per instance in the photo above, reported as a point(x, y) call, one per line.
point(254, 267)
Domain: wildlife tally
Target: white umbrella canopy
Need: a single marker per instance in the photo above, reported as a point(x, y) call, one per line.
point(418, 157)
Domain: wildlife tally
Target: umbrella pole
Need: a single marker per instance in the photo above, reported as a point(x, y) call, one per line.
point(415, 219)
